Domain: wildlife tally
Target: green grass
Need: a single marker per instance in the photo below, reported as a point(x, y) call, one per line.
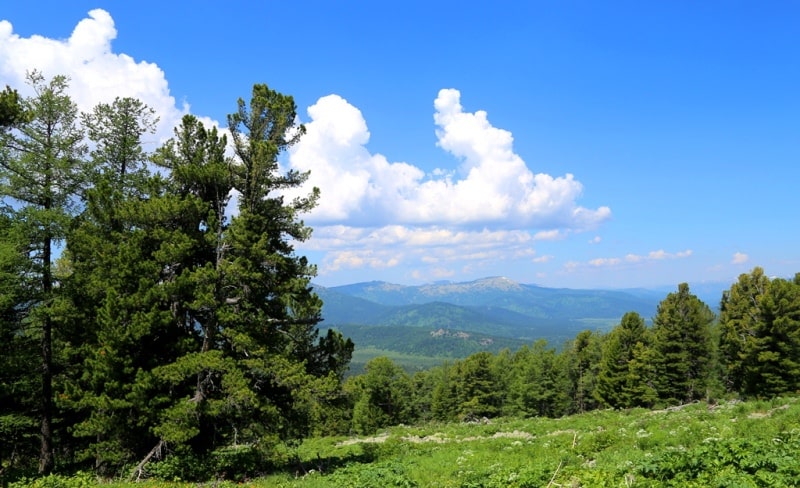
point(733, 444)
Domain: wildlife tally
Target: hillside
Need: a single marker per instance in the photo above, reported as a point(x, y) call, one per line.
point(502, 293)
point(451, 343)
point(494, 307)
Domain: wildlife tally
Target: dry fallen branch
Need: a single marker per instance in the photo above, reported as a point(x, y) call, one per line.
point(156, 452)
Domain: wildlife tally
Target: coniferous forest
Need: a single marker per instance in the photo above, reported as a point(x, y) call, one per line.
point(155, 319)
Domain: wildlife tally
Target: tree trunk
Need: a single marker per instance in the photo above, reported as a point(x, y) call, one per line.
point(46, 462)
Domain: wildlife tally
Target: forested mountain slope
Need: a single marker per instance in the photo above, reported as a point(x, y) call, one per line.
point(497, 306)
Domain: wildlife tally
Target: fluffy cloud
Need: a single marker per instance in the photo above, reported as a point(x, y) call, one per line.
point(740, 258)
point(422, 249)
point(96, 73)
point(376, 213)
point(494, 186)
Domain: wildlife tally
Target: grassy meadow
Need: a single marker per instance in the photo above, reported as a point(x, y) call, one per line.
point(730, 444)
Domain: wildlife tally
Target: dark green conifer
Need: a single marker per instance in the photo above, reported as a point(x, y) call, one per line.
point(613, 379)
point(42, 172)
point(741, 320)
point(682, 347)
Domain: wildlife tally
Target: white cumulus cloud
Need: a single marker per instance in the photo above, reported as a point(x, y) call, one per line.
point(488, 207)
point(493, 187)
point(97, 74)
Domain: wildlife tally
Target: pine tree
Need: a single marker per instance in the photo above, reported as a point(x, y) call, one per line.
point(640, 389)
point(582, 359)
point(116, 322)
point(541, 384)
point(444, 401)
point(252, 369)
point(778, 345)
point(682, 346)
point(11, 111)
point(382, 396)
point(476, 387)
point(614, 386)
point(742, 322)
point(43, 171)
point(760, 335)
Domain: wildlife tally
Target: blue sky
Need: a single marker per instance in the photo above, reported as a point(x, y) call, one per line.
point(567, 144)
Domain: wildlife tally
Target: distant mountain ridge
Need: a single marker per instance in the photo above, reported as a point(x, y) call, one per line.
point(450, 320)
point(499, 292)
point(429, 319)
point(495, 305)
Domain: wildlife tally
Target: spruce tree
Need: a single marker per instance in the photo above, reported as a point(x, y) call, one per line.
point(614, 385)
point(42, 172)
point(760, 335)
point(109, 301)
point(582, 359)
point(778, 345)
point(682, 346)
point(742, 321)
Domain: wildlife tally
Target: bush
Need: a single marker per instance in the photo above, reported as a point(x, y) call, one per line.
point(78, 480)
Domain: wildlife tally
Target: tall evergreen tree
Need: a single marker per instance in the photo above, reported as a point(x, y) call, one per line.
point(778, 345)
point(444, 401)
point(760, 335)
point(252, 368)
point(42, 170)
point(741, 322)
point(582, 359)
point(423, 384)
point(682, 345)
point(205, 330)
point(477, 389)
point(382, 396)
point(109, 301)
point(613, 384)
point(117, 130)
point(541, 385)
point(640, 384)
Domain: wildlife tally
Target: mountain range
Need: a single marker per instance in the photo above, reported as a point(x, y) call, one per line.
point(447, 319)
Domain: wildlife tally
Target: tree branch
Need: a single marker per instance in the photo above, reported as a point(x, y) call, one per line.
point(155, 452)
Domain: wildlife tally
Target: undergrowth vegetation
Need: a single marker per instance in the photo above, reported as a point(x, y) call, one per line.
point(743, 444)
